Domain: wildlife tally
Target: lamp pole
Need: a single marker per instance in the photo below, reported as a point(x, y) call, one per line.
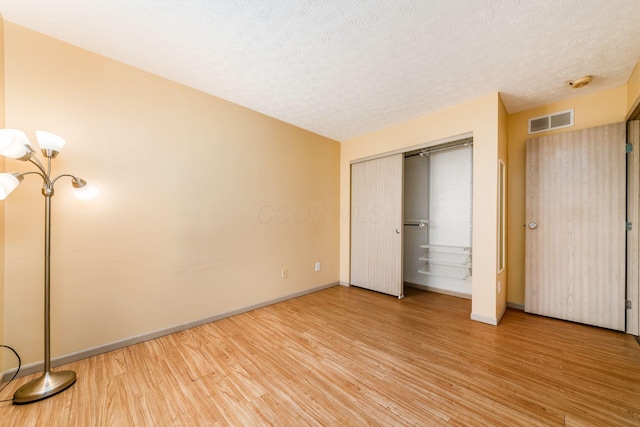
point(15, 144)
point(49, 383)
point(47, 282)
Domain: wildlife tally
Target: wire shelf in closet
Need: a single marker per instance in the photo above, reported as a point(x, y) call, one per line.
point(461, 274)
point(448, 249)
point(446, 260)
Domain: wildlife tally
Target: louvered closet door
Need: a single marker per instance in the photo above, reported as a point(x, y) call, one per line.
point(376, 224)
point(575, 230)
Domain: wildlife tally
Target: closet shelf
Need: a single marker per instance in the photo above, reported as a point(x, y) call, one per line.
point(447, 249)
point(429, 273)
point(448, 264)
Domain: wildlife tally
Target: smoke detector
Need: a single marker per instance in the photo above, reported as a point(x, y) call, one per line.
point(580, 82)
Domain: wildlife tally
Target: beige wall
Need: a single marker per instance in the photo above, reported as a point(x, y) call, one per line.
point(479, 117)
point(201, 204)
point(2, 169)
point(601, 108)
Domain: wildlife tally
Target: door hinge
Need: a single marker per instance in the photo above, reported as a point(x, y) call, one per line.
point(628, 147)
point(628, 225)
point(627, 304)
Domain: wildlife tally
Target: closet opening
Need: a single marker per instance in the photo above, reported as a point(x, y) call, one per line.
point(437, 193)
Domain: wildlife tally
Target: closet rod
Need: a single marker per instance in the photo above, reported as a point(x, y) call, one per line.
point(463, 143)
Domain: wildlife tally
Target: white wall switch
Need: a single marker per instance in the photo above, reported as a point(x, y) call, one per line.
point(317, 266)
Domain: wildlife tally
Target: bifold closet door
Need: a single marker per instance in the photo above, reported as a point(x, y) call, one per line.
point(376, 224)
point(575, 226)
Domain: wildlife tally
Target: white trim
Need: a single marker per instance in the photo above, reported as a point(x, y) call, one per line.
point(341, 283)
point(502, 216)
point(94, 351)
point(484, 319)
point(414, 147)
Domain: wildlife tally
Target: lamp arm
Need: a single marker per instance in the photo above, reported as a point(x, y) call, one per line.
point(39, 165)
point(44, 177)
point(53, 182)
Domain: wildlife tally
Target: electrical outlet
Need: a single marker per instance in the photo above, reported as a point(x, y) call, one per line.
point(317, 266)
point(285, 273)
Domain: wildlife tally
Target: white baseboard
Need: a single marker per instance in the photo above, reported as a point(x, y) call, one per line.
point(492, 321)
point(32, 368)
point(347, 284)
point(484, 319)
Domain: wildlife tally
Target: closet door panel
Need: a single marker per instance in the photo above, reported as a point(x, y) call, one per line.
point(376, 224)
point(575, 234)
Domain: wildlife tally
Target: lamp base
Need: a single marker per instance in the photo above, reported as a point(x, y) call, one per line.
point(47, 385)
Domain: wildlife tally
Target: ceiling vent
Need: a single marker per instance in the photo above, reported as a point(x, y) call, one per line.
point(561, 119)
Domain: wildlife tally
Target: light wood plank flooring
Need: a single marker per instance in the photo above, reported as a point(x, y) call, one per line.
point(347, 356)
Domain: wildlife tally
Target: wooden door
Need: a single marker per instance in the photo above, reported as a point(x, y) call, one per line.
point(376, 224)
point(575, 230)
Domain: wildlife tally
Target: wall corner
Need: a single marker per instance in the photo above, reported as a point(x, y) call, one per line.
point(633, 91)
point(2, 169)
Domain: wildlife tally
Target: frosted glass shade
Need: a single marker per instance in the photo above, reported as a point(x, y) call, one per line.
point(82, 190)
point(50, 141)
point(14, 143)
point(87, 192)
point(8, 183)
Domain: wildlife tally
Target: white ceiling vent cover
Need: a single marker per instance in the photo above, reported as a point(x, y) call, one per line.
point(561, 119)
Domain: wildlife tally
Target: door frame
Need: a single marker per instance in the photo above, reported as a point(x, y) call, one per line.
point(633, 216)
point(633, 250)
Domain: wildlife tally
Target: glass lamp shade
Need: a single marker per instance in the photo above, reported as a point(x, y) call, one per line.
point(50, 141)
point(15, 144)
point(8, 183)
point(82, 190)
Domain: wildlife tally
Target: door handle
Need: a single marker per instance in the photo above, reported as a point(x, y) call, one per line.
point(533, 225)
point(397, 231)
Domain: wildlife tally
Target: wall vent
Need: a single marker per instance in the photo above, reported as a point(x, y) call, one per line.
point(561, 119)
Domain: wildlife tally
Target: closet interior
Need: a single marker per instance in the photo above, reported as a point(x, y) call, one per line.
point(437, 250)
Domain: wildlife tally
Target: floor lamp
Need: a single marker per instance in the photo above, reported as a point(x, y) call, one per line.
point(16, 145)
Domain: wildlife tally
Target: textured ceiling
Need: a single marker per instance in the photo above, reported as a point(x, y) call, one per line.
point(343, 68)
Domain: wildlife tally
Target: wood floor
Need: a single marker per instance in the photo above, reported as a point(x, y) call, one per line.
point(346, 356)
